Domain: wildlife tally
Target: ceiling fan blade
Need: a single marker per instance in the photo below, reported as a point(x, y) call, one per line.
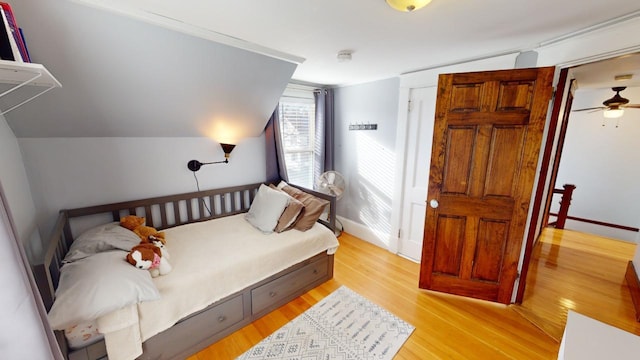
point(593, 108)
point(633, 106)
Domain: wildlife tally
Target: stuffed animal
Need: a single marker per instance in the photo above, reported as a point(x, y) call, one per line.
point(159, 242)
point(131, 222)
point(144, 232)
point(149, 257)
point(137, 225)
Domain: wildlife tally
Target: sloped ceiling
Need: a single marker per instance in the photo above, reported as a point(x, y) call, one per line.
point(125, 78)
point(150, 67)
point(385, 43)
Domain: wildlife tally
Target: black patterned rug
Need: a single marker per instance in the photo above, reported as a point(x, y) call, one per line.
point(344, 325)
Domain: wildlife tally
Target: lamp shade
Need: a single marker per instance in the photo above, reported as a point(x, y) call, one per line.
point(227, 148)
point(613, 113)
point(407, 5)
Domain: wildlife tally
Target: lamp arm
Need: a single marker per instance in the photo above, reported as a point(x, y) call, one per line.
point(226, 161)
point(194, 165)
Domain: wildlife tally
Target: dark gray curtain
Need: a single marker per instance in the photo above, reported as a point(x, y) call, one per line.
point(324, 132)
point(276, 169)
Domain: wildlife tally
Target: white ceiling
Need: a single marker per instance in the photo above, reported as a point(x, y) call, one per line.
point(602, 74)
point(385, 42)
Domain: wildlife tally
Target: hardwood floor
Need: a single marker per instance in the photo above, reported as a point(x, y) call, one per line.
point(447, 326)
point(569, 270)
point(582, 272)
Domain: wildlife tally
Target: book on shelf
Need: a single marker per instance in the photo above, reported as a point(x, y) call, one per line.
point(6, 52)
point(15, 30)
point(26, 50)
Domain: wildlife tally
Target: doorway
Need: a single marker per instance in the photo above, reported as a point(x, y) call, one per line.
point(599, 75)
point(600, 155)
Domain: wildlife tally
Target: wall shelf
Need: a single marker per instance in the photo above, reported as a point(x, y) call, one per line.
point(22, 74)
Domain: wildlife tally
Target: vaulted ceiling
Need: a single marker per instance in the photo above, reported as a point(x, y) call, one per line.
point(384, 42)
point(217, 68)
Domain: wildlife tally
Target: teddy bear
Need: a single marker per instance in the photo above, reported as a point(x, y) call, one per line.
point(137, 225)
point(149, 257)
point(131, 222)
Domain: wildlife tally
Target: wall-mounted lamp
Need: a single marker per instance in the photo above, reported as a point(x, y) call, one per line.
point(195, 165)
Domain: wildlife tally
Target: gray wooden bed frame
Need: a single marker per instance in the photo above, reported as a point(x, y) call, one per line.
point(201, 329)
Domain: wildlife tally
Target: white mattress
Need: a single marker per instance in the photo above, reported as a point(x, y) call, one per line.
point(212, 260)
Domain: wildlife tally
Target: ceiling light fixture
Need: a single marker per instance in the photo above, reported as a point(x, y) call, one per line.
point(623, 77)
point(613, 113)
point(407, 5)
point(344, 56)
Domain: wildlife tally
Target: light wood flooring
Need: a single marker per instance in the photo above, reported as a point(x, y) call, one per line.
point(582, 272)
point(451, 327)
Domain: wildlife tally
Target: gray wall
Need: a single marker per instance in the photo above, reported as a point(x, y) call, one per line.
point(16, 185)
point(126, 78)
point(17, 306)
point(74, 172)
point(367, 157)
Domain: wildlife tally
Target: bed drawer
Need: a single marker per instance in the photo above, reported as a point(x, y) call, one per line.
point(197, 330)
point(220, 316)
point(272, 292)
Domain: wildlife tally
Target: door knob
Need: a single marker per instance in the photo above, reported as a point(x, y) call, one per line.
point(434, 203)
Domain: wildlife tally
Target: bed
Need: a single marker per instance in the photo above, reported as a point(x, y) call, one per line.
point(273, 270)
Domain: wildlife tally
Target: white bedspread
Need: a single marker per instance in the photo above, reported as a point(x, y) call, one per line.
point(212, 260)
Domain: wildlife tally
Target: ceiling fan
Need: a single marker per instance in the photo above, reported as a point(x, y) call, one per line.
point(614, 107)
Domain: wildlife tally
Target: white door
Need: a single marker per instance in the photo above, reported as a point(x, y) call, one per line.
point(418, 157)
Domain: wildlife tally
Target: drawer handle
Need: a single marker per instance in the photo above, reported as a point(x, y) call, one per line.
point(315, 271)
point(272, 293)
point(222, 318)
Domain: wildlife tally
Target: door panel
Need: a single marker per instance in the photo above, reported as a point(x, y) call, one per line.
point(458, 161)
point(487, 134)
point(449, 243)
point(500, 178)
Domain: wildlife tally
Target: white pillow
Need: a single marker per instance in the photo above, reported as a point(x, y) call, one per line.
point(266, 209)
point(97, 285)
point(101, 238)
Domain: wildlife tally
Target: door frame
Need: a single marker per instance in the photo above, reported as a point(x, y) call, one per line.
point(535, 222)
point(534, 228)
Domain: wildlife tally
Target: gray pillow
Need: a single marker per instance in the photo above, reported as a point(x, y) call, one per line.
point(101, 238)
point(266, 209)
point(97, 285)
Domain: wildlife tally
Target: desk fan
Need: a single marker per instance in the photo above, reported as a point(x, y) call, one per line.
point(332, 183)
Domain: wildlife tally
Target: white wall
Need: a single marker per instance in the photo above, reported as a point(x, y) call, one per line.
point(76, 172)
point(367, 157)
point(604, 164)
point(17, 306)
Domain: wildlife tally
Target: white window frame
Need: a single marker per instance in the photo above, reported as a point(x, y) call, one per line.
point(300, 94)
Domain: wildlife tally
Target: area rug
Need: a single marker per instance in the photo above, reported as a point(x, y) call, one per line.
point(344, 325)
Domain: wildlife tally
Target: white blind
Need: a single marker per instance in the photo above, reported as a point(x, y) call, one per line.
point(297, 119)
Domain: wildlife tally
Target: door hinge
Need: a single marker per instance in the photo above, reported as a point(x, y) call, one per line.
point(409, 106)
point(399, 233)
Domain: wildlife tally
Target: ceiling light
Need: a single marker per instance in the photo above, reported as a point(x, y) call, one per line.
point(613, 113)
point(407, 5)
point(623, 77)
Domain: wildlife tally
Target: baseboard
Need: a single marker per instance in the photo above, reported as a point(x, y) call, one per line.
point(363, 232)
point(634, 287)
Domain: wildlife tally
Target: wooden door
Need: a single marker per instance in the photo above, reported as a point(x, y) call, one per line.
point(486, 140)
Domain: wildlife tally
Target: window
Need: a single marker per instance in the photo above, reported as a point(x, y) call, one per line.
point(297, 124)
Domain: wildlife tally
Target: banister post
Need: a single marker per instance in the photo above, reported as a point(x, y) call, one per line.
point(564, 205)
